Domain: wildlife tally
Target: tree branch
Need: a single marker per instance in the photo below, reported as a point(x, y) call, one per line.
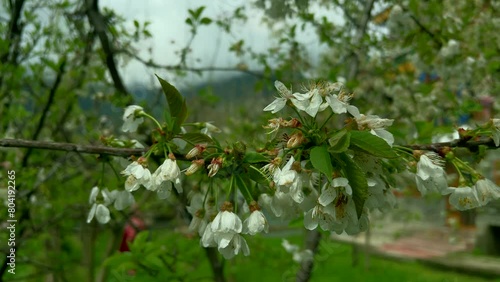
point(70, 147)
point(360, 33)
point(96, 20)
point(312, 243)
point(216, 264)
point(46, 109)
point(192, 69)
point(13, 33)
point(423, 28)
point(471, 145)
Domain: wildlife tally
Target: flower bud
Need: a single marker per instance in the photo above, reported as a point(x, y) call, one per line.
point(197, 150)
point(295, 140)
point(214, 166)
point(195, 165)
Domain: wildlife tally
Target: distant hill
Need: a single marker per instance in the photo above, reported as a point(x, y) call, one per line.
point(230, 89)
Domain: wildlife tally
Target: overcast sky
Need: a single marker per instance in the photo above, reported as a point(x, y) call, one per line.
point(167, 19)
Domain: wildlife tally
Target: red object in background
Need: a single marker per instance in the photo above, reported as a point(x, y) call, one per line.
point(133, 226)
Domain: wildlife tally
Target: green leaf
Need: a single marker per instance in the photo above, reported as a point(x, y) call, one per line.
point(196, 138)
point(139, 242)
point(118, 259)
point(357, 181)
point(153, 262)
point(371, 144)
point(176, 103)
point(425, 131)
point(340, 141)
point(206, 21)
point(243, 183)
point(254, 157)
point(320, 159)
point(198, 12)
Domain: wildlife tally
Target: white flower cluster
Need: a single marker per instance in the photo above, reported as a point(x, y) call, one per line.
point(332, 210)
point(321, 96)
point(224, 232)
point(431, 177)
point(160, 181)
point(99, 206)
point(295, 193)
point(315, 188)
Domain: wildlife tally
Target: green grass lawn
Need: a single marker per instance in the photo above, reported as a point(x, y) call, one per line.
point(270, 262)
point(333, 263)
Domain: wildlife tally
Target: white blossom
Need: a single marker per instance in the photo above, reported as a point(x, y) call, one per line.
point(340, 104)
point(486, 191)
point(345, 213)
point(234, 246)
point(137, 175)
point(99, 209)
point(279, 103)
point(280, 204)
point(199, 221)
point(209, 128)
point(289, 181)
point(496, 131)
point(276, 105)
point(298, 255)
point(329, 193)
point(169, 172)
point(310, 102)
point(430, 176)
point(123, 199)
point(255, 223)
point(227, 222)
point(376, 126)
point(224, 227)
point(132, 118)
point(322, 215)
point(208, 240)
point(463, 198)
point(198, 224)
point(290, 248)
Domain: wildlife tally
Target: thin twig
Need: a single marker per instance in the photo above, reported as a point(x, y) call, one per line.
point(193, 69)
point(50, 101)
point(97, 21)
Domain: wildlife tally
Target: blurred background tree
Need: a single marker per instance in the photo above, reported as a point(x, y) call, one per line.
point(430, 65)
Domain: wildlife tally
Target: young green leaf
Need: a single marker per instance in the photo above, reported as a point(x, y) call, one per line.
point(206, 21)
point(371, 144)
point(357, 181)
point(242, 181)
point(320, 159)
point(176, 103)
point(339, 142)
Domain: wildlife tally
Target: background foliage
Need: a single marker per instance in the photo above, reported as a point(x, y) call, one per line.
point(430, 65)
